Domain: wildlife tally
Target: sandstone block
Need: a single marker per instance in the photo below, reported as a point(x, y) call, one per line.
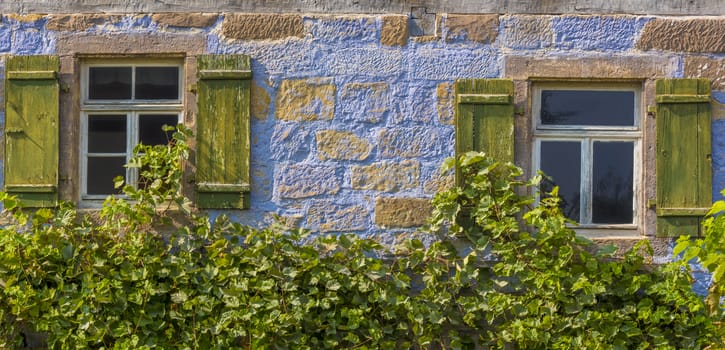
point(261, 26)
point(386, 176)
point(413, 142)
point(306, 99)
point(260, 101)
point(718, 111)
point(187, 19)
point(365, 102)
point(527, 32)
point(446, 103)
point(343, 145)
point(78, 22)
point(525, 67)
point(402, 212)
point(437, 183)
point(300, 180)
point(327, 216)
point(705, 67)
point(688, 35)
point(125, 43)
point(479, 28)
point(394, 31)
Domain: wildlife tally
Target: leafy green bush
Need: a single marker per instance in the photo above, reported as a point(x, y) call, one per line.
point(147, 271)
point(709, 252)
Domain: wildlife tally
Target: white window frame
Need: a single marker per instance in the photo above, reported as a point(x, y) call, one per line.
point(587, 135)
point(132, 108)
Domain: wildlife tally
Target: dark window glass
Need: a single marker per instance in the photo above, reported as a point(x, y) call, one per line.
point(102, 171)
point(612, 183)
point(107, 133)
point(157, 83)
point(150, 128)
point(561, 160)
point(109, 83)
point(581, 107)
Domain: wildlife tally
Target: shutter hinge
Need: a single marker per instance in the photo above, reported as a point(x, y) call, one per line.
point(651, 111)
point(652, 203)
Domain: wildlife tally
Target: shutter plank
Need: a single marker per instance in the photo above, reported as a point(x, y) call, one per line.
point(485, 118)
point(223, 144)
point(684, 171)
point(31, 130)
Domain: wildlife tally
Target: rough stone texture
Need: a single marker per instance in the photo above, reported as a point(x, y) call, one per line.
point(700, 7)
point(301, 180)
point(402, 212)
point(433, 63)
point(414, 103)
point(364, 102)
point(394, 31)
point(718, 112)
point(611, 33)
point(333, 29)
point(386, 176)
point(718, 152)
point(248, 26)
point(21, 16)
point(290, 141)
point(32, 42)
point(437, 182)
point(6, 38)
point(190, 20)
point(328, 216)
point(79, 22)
point(341, 145)
point(478, 28)
point(306, 99)
point(611, 67)
point(526, 32)
point(705, 67)
point(363, 62)
point(688, 35)
point(260, 101)
point(445, 105)
point(413, 142)
point(130, 43)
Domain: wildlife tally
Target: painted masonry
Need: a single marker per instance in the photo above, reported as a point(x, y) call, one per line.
point(353, 114)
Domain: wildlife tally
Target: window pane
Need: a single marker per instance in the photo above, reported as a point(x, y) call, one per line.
point(101, 171)
point(109, 83)
point(612, 183)
point(580, 107)
point(157, 83)
point(561, 160)
point(150, 132)
point(107, 133)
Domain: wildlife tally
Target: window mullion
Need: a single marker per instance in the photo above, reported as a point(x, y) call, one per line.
point(130, 144)
point(586, 181)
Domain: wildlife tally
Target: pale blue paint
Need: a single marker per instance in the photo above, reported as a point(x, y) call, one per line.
point(597, 33)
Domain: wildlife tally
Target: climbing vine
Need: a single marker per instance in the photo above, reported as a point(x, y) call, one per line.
point(491, 270)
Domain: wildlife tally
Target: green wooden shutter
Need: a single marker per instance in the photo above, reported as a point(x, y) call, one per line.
point(222, 150)
point(31, 129)
point(684, 172)
point(485, 118)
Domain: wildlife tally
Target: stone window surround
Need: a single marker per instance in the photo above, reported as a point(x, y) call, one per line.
point(73, 49)
point(526, 71)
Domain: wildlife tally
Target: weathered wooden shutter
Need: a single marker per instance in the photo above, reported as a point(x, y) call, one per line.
point(684, 172)
point(485, 118)
point(31, 129)
point(222, 156)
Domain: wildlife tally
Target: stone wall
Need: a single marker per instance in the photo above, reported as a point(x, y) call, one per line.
point(353, 114)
